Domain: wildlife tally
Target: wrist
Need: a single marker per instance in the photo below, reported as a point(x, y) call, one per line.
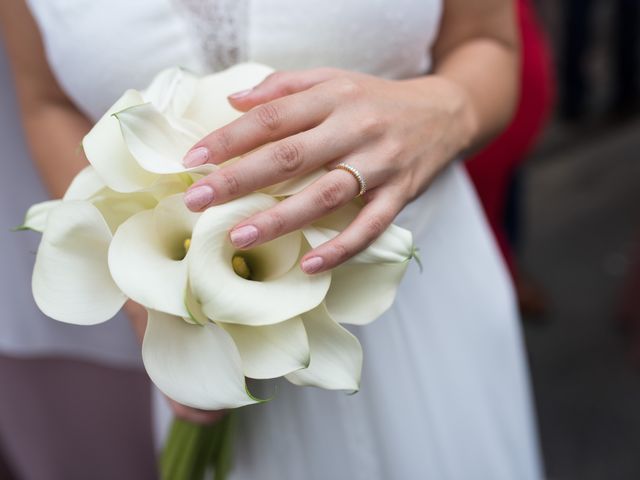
point(454, 102)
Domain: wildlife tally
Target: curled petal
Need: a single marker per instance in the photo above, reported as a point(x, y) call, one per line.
point(37, 216)
point(171, 91)
point(198, 366)
point(271, 351)
point(106, 151)
point(336, 355)
point(273, 295)
point(71, 280)
point(157, 142)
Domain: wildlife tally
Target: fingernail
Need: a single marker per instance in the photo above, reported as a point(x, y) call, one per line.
point(244, 236)
point(195, 157)
point(240, 94)
point(198, 197)
point(312, 265)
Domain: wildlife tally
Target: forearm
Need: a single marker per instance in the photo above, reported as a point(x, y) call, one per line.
point(486, 71)
point(54, 130)
point(53, 125)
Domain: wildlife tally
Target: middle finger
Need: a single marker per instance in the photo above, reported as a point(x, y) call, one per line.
point(272, 164)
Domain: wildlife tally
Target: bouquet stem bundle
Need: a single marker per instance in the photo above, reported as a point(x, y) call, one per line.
point(193, 450)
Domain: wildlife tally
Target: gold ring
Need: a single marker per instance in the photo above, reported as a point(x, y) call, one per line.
point(356, 174)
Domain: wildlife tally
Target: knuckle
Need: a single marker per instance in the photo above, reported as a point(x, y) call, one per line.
point(348, 88)
point(340, 251)
point(287, 156)
point(276, 223)
point(268, 116)
point(222, 140)
point(374, 226)
point(230, 182)
point(393, 149)
point(330, 196)
point(372, 125)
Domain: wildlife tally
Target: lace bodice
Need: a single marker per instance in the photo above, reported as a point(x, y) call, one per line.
point(220, 28)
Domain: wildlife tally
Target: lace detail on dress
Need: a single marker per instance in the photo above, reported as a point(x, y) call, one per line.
point(221, 29)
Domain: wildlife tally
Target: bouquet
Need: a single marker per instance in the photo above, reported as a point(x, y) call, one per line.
point(216, 315)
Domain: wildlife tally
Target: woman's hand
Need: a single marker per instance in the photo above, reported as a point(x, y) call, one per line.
point(397, 134)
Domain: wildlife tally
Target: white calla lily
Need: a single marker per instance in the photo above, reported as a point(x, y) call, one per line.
point(71, 280)
point(336, 354)
point(198, 366)
point(271, 351)
point(148, 257)
point(107, 152)
point(277, 290)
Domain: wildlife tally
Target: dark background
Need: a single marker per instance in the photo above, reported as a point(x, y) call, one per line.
point(579, 211)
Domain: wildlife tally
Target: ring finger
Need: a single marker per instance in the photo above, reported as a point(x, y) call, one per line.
point(328, 193)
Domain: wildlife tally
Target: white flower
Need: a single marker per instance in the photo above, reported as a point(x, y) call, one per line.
point(145, 135)
point(216, 314)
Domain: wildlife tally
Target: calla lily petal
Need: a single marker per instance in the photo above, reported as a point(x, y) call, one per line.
point(336, 354)
point(210, 107)
point(146, 258)
point(37, 215)
point(360, 293)
point(117, 207)
point(156, 143)
point(171, 91)
point(106, 151)
point(225, 295)
point(198, 366)
point(84, 185)
point(271, 351)
point(71, 280)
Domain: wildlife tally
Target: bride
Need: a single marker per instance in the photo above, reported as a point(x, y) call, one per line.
point(398, 91)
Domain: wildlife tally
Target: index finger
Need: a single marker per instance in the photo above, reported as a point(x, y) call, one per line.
point(263, 124)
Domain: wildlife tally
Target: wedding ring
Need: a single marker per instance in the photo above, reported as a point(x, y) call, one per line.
point(356, 174)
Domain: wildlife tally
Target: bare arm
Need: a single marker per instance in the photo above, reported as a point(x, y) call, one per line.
point(478, 50)
point(53, 125)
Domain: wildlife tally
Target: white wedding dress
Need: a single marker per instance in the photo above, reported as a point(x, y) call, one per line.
point(445, 390)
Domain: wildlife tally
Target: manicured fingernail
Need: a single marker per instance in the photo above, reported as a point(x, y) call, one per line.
point(195, 157)
point(312, 265)
point(198, 197)
point(240, 94)
point(243, 236)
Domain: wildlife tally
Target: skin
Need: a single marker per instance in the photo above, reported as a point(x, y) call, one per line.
point(398, 134)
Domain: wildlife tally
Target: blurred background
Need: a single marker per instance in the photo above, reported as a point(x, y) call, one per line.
point(575, 223)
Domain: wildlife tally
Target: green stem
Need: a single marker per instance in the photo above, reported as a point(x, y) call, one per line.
point(190, 449)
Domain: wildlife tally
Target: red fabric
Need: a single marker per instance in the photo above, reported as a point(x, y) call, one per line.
point(493, 168)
